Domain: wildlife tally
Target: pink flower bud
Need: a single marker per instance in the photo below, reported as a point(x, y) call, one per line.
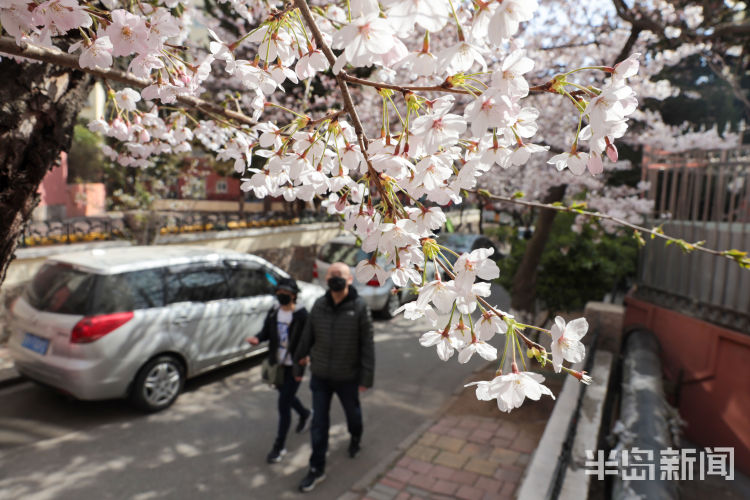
point(611, 152)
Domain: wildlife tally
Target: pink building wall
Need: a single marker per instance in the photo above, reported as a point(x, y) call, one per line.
point(54, 185)
point(61, 200)
point(85, 199)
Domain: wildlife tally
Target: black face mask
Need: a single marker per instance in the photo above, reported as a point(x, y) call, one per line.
point(284, 299)
point(336, 284)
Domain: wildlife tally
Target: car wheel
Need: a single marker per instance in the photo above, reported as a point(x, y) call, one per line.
point(158, 383)
point(393, 303)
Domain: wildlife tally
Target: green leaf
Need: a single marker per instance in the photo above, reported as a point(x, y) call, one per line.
point(449, 227)
point(639, 238)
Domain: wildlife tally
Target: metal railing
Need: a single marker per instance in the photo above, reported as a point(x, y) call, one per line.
point(86, 229)
point(176, 223)
point(76, 230)
point(700, 197)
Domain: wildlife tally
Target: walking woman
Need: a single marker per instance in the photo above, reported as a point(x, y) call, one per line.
point(282, 329)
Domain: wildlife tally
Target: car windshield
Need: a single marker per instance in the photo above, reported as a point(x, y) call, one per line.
point(459, 243)
point(342, 252)
point(59, 288)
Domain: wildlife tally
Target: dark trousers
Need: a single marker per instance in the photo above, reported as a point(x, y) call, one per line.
point(322, 393)
point(288, 400)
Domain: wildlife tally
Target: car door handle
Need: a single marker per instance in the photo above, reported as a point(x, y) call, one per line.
point(180, 320)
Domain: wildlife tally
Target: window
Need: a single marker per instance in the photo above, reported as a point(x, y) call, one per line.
point(129, 291)
point(196, 285)
point(221, 186)
point(342, 252)
point(61, 289)
point(248, 280)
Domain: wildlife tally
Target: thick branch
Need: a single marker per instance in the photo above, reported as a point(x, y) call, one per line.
point(731, 80)
point(625, 52)
point(8, 46)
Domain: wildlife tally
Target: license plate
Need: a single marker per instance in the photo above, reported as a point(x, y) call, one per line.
point(34, 343)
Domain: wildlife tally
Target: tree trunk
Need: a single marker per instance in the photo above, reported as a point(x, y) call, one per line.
point(38, 108)
point(523, 292)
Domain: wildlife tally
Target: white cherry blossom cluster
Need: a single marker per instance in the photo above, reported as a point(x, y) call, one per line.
point(453, 117)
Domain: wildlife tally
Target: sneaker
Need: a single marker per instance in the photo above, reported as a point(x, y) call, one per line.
point(275, 455)
point(303, 421)
point(354, 447)
point(312, 478)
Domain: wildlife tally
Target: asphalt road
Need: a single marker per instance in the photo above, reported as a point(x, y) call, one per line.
point(212, 443)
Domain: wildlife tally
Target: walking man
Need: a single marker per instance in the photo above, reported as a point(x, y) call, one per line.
point(338, 338)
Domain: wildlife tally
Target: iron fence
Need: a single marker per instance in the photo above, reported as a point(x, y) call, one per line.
point(76, 230)
point(699, 196)
point(55, 232)
point(226, 221)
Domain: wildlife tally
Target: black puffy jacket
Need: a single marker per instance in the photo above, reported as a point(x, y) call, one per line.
point(339, 340)
point(270, 332)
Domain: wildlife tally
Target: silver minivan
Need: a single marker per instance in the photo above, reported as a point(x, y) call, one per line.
point(137, 321)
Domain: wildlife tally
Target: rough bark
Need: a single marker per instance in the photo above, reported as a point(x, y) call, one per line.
point(523, 292)
point(38, 107)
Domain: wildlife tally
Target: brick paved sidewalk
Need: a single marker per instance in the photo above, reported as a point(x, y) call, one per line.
point(460, 456)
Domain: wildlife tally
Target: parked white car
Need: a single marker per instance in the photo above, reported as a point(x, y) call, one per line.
point(137, 321)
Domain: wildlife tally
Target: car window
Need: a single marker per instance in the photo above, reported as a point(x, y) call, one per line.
point(250, 279)
point(347, 253)
point(482, 243)
point(129, 291)
point(61, 289)
point(459, 243)
point(196, 285)
point(342, 252)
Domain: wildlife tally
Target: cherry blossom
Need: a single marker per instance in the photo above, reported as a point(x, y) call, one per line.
point(127, 32)
point(566, 341)
point(480, 347)
point(511, 389)
point(127, 99)
point(97, 54)
point(362, 39)
point(439, 128)
point(61, 16)
point(445, 343)
point(507, 18)
point(475, 264)
point(490, 324)
point(441, 104)
point(430, 15)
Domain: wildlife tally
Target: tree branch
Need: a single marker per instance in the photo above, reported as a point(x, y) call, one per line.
point(743, 260)
point(625, 52)
point(348, 102)
point(444, 87)
point(58, 58)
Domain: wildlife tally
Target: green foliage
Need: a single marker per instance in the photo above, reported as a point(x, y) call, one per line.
point(85, 159)
point(130, 188)
point(576, 268)
point(501, 232)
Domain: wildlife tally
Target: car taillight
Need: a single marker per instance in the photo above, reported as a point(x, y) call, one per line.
point(92, 328)
point(315, 269)
point(373, 282)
